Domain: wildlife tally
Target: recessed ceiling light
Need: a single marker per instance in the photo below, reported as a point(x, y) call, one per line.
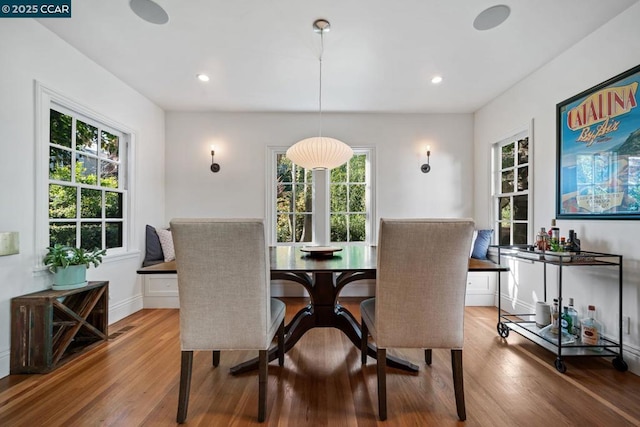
point(202, 77)
point(436, 79)
point(149, 11)
point(492, 17)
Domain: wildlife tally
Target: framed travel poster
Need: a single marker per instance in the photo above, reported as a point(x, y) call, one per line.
point(598, 157)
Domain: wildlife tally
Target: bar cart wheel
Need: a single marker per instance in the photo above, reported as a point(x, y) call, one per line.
point(503, 330)
point(560, 366)
point(620, 364)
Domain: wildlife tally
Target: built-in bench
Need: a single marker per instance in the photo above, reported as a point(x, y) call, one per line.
point(160, 285)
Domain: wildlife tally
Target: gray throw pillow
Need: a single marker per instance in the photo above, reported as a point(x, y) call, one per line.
point(153, 250)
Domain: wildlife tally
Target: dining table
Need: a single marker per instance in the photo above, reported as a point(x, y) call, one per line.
point(324, 277)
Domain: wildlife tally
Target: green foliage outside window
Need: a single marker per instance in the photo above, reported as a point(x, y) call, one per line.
point(294, 202)
point(348, 201)
point(93, 175)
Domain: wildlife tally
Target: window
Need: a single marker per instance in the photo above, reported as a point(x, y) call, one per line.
point(512, 207)
point(82, 176)
point(86, 182)
point(321, 206)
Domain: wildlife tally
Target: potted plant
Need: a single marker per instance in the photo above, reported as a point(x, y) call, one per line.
point(69, 265)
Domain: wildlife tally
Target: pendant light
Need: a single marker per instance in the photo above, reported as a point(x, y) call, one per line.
point(320, 152)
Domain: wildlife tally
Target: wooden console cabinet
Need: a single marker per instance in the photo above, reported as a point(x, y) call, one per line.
point(49, 328)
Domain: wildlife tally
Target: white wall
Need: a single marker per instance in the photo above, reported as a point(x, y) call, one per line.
point(30, 52)
point(241, 144)
point(605, 53)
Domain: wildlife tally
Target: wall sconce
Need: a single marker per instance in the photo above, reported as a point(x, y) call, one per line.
point(214, 166)
point(425, 168)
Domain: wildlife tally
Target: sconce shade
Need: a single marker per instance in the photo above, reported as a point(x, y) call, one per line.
point(319, 152)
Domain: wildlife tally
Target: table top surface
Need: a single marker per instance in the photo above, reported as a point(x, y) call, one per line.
point(350, 258)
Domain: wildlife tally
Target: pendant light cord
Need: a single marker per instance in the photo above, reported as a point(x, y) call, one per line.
point(320, 94)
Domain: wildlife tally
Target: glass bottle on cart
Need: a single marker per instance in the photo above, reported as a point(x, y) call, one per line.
point(591, 329)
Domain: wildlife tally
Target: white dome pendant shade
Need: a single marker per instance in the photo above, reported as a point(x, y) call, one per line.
point(320, 152)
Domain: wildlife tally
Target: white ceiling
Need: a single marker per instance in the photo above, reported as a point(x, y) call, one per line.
point(380, 56)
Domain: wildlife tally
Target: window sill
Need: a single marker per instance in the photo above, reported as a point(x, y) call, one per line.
point(42, 270)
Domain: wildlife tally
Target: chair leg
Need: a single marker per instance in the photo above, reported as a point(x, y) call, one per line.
point(263, 363)
point(382, 383)
point(281, 344)
point(185, 384)
point(364, 342)
point(427, 356)
point(216, 358)
point(458, 384)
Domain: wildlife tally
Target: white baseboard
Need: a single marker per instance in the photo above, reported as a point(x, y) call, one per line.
point(161, 301)
point(5, 359)
point(124, 308)
point(484, 300)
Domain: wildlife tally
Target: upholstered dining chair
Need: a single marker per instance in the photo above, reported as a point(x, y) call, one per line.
point(224, 293)
point(420, 292)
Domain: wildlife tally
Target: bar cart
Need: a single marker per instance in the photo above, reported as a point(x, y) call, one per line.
point(524, 324)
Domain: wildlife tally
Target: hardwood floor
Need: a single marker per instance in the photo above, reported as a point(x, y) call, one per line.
point(133, 381)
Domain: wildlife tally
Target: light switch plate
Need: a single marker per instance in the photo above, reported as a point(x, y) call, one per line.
point(9, 243)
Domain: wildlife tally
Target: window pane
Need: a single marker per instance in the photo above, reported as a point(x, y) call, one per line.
point(523, 151)
point(62, 233)
point(86, 168)
point(356, 198)
point(357, 166)
point(90, 235)
point(283, 228)
point(520, 234)
point(60, 164)
point(284, 168)
point(304, 200)
point(357, 228)
point(86, 137)
point(523, 178)
point(505, 233)
point(113, 204)
point(109, 146)
point(338, 228)
point(113, 234)
point(283, 201)
point(108, 174)
point(302, 174)
point(521, 207)
point(62, 201)
point(504, 209)
point(303, 228)
point(339, 174)
point(60, 128)
point(507, 181)
point(90, 203)
point(507, 155)
point(338, 198)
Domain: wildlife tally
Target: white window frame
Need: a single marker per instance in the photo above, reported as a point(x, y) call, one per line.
point(47, 99)
point(496, 151)
point(321, 202)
